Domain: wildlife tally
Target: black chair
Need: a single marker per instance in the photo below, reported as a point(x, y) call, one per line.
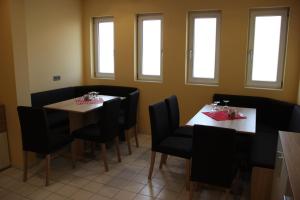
point(127, 120)
point(105, 130)
point(164, 142)
point(38, 138)
point(213, 157)
point(174, 115)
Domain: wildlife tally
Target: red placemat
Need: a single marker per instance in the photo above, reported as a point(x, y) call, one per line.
point(80, 101)
point(223, 115)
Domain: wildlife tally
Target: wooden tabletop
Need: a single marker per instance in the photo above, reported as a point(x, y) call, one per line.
point(291, 150)
point(247, 125)
point(71, 105)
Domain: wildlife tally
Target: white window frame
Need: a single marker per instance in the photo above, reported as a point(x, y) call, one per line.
point(284, 13)
point(97, 73)
point(140, 19)
point(190, 49)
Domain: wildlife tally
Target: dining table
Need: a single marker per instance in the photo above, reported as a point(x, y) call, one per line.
point(81, 112)
point(245, 123)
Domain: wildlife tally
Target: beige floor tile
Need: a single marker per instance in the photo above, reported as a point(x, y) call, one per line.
point(13, 185)
point(150, 190)
point(168, 195)
point(39, 194)
point(3, 192)
point(56, 197)
point(108, 191)
point(78, 182)
point(103, 178)
point(54, 186)
point(140, 179)
point(93, 187)
point(98, 197)
point(12, 196)
point(67, 190)
point(143, 197)
point(126, 180)
point(124, 195)
point(133, 187)
point(81, 195)
point(117, 182)
point(36, 181)
point(26, 190)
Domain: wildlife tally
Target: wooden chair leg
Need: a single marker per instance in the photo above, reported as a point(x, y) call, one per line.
point(162, 160)
point(191, 190)
point(47, 168)
point(73, 152)
point(117, 148)
point(165, 159)
point(25, 165)
point(187, 173)
point(93, 147)
point(151, 164)
point(227, 194)
point(136, 136)
point(103, 155)
point(127, 135)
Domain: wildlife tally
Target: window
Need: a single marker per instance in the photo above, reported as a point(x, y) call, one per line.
point(203, 47)
point(104, 47)
point(149, 47)
point(266, 51)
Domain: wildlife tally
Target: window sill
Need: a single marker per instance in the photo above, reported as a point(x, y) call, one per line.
point(149, 81)
point(203, 84)
point(263, 88)
point(103, 78)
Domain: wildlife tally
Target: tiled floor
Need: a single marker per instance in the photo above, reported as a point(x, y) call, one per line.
point(88, 181)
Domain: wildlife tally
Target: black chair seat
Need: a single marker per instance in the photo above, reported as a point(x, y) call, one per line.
point(184, 131)
point(60, 130)
point(90, 132)
point(176, 146)
point(57, 118)
point(57, 142)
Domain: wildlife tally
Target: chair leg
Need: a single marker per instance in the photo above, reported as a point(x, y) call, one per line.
point(151, 164)
point(162, 160)
point(47, 168)
point(191, 190)
point(73, 152)
point(117, 148)
point(25, 160)
point(187, 173)
point(127, 135)
point(93, 147)
point(165, 159)
point(227, 194)
point(136, 136)
point(103, 155)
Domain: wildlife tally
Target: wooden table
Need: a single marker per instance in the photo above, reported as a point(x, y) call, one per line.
point(247, 125)
point(71, 105)
point(80, 114)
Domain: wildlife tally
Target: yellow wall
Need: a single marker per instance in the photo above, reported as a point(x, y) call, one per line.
point(233, 50)
point(38, 39)
point(8, 94)
point(54, 43)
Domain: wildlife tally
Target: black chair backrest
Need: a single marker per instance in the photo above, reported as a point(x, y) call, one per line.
point(294, 125)
point(110, 114)
point(34, 128)
point(173, 110)
point(159, 120)
point(131, 111)
point(213, 157)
